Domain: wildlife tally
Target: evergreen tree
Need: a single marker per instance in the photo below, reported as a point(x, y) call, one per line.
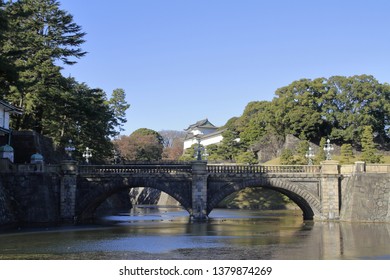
point(369, 151)
point(298, 109)
point(247, 157)
point(119, 106)
point(301, 152)
point(231, 146)
point(190, 153)
point(352, 103)
point(8, 74)
point(36, 38)
point(40, 34)
point(320, 155)
point(346, 153)
point(287, 157)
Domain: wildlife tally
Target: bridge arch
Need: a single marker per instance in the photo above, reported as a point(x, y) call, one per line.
point(306, 201)
point(94, 191)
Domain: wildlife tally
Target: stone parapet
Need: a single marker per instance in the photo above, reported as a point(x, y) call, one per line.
point(330, 167)
point(6, 165)
point(69, 167)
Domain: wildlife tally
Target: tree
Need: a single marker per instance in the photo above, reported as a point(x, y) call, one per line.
point(369, 151)
point(231, 145)
point(346, 153)
point(320, 156)
point(254, 121)
point(311, 109)
point(81, 114)
point(8, 74)
point(142, 145)
point(247, 157)
point(39, 35)
point(170, 136)
point(287, 157)
point(298, 108)
point(174, 151)
point(189, 154)
point(36, 38)
point(173, 144)
point(352, 103)
point(119, 106)
point(301, 151)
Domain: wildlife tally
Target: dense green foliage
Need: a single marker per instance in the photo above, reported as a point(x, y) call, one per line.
point(337, 108)
point(36, 38)
point(369, 151)
point(346, 153)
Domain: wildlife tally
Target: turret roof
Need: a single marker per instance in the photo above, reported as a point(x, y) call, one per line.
point(201, 124)
point(11, 108)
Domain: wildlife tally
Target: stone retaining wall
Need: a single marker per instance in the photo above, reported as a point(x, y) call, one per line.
point(365, 197)
point(29, 199)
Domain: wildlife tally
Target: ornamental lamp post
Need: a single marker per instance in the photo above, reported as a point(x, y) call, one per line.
point(309, 155)
point(116, 156)
point(328, 148)
point(199, 149)
point(205, 153)
point(69, 149)
point(87, 154)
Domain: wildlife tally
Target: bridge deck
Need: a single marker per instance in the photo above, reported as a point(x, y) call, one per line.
point(187, 168)
point(139, 168)
point(264, 168)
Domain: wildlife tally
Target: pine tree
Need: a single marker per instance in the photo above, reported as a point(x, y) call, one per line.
point(40, 35)
point(346, 153)
point(320, 155)
point(287, 157)
point(301, 151)
point(8, 75)
point(369, 151)
point(119, 106)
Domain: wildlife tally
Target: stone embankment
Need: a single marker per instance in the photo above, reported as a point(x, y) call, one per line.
point(366, 197)
point(7, 217)
point(29, 199)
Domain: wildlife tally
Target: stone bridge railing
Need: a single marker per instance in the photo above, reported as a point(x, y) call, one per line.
point(187, 168)
point(136, 168)
point(226, 169)
point(264, 169)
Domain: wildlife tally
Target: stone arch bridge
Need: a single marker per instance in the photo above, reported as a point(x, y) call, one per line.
point(199, 187)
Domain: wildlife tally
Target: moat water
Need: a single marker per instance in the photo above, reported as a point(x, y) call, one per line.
point(167, 233)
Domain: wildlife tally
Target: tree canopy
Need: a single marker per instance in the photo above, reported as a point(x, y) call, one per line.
point(142, 145)
point(337, 108)
point(37, 37)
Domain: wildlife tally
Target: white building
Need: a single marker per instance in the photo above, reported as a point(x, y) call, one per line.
point(205, 131)
point(6, 109)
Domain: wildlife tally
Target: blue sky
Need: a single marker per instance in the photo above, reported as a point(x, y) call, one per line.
point(180, 61)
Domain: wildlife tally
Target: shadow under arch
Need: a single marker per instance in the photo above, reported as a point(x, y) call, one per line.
point(306, 201)
point(95, 192)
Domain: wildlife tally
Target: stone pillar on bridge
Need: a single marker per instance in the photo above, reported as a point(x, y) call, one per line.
point(330, 195)
point(68, 191)
point(360, 167)
point(199, 190)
